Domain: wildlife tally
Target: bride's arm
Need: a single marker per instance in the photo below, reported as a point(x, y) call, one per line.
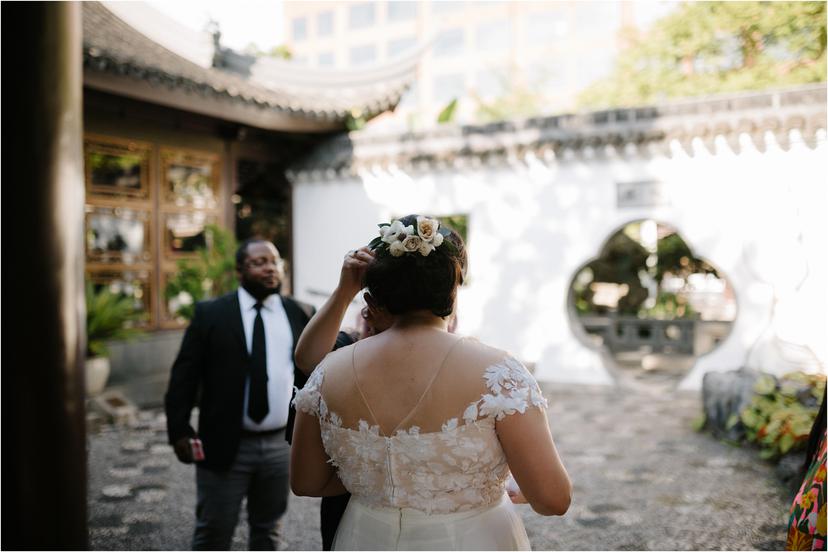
point(319, 335)
point(310, 472)
point(534, 461)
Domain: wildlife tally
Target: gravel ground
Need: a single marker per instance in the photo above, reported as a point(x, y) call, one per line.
point(643, 480)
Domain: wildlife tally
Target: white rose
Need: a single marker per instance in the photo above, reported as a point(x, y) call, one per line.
point(412, 243)
point(397, 248)
point(184, 299)
point(425, 248)
point(427, 227)
point(437, 240)
point(409, 230)
point(392, 233)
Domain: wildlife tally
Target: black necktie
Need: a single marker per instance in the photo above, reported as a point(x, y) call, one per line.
point(257, 407)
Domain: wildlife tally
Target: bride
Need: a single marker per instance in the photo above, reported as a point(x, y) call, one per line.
point(421, 426)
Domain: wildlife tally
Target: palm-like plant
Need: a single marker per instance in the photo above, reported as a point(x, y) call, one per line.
point(108, 317)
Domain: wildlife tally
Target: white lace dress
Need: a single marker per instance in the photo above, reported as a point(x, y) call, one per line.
point(440, 490)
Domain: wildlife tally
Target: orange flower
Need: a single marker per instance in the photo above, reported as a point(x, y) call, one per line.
point(806, 501)
point(820, 524)
point(797, 540)
point(820, 474)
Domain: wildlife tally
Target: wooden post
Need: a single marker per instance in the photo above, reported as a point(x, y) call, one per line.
point(44, 452)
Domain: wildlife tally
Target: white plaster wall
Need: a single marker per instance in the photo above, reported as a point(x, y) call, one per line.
point(533, 223)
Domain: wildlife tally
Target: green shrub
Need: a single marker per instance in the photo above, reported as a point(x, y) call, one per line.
point(781, 414)
point(210, 274)
point(108, 316)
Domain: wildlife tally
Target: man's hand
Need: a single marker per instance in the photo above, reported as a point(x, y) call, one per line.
point(183, 451)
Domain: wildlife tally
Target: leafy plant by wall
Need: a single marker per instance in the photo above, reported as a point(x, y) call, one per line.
point(108, 317)
point(781, 413)
point(211, 274)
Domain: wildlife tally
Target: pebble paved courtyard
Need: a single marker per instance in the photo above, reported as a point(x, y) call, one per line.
point(643, 480)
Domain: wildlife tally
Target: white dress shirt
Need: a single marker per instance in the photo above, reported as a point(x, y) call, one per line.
point(279, 347)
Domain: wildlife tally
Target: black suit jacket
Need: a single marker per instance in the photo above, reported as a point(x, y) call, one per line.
point(211, 369)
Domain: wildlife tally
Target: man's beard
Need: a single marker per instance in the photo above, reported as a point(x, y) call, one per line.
point(260, 291)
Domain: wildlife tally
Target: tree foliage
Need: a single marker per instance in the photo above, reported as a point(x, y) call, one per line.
point(717, 47)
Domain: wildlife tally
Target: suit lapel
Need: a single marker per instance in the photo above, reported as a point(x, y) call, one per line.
point(295, 317)
point(235, 318)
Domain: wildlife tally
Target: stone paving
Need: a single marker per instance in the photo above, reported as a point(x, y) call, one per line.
point(643, 480)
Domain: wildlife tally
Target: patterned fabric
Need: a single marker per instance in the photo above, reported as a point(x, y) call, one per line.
point(461, 467)
point(806, 528)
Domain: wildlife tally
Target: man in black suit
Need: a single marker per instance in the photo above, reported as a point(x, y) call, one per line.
point(236, 361)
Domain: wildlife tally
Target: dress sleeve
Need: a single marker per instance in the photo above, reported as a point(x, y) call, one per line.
point(308, 398)
point(511, 389)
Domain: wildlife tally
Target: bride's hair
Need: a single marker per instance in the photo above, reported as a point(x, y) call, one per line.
point(412, 281)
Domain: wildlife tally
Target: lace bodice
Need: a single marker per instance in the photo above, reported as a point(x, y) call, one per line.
point(458, 468)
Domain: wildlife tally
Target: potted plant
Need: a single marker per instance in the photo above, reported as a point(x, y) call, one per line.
point(109, 316)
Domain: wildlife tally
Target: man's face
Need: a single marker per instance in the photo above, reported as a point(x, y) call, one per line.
point(261, 272)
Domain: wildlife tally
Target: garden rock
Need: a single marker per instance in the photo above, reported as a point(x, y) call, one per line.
point(725, 394)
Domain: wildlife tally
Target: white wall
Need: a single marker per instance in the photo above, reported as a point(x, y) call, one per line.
point(533, 224)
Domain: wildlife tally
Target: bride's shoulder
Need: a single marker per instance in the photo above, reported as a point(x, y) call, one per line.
point(475, 352)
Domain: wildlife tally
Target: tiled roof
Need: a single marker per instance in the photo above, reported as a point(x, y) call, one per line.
point(710, 122)
point(112, 47)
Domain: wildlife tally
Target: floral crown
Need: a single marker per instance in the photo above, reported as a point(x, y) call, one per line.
point(398, 240)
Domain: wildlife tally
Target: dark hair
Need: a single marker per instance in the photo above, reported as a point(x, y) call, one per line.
point(412, 282)
point(241, 251)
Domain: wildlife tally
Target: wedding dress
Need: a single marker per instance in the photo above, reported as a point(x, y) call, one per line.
point(441, 489)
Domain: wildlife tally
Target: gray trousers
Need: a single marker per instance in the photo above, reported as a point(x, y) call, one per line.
point(260, 473)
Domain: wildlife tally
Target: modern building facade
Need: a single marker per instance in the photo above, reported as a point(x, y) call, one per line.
point(476, 51)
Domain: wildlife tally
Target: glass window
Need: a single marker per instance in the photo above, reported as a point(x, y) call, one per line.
point(448, 87)
point(190, 180)
point(542, 27)
point(325, 59)
point(400, 45)
point(443, 6)
point(184, 232)
point(123, 225)
point(361, 15)
point(117, 235)
point(325, 23)
point(494, 35)
point(449, 43)
point(597, 17)
point(117, 168)
point(300, 28)
point(363, 55)
point(490, 84)
point(402, 10)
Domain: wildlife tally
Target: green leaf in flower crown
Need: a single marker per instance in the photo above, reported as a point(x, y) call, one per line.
point(383, 225)
point(373, 244)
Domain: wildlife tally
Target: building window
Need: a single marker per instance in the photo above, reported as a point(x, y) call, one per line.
point(449, 43)
point(361, 15)
point(325, 59)
point(542, 27)
point(400, 45)
point(494, 35)
point(300, 28)
point(443, 6)
point(490, 84)
point(363, 55)
point(448, 87)
point(132, 242)
point(402, 10)
point(119, 221)
point(325, 23)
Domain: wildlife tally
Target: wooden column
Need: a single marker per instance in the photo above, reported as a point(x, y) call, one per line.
point(44, 452)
